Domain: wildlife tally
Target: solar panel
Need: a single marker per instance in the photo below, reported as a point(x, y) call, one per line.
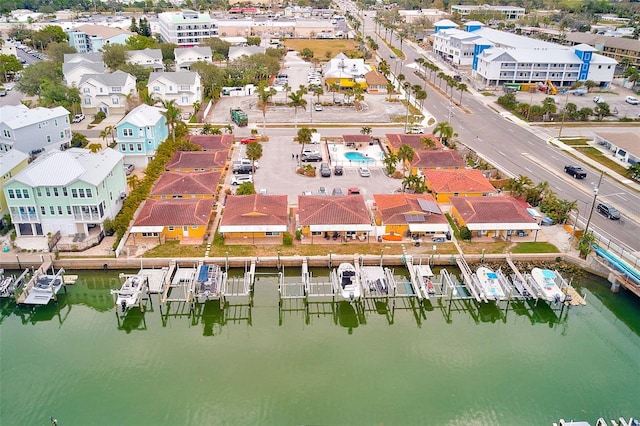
point(429, 206)
point(414, 218)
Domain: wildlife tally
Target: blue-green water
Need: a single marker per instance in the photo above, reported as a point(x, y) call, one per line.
point(467, 365)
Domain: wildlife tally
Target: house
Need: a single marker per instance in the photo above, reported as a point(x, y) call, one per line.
point(509, 13)
point(76, 65)
point(356, 140)
point(623, 146)
point(185, 56)
point(34, 130)
point(377, 83)
point(198, 161)
point(175, 219)
point(149, 58)
point(92, 37)
point(255, 218)
point(237, 52)
point(71, 192)
point(446, 183)
point(409, 215)
point(106, 92)
point(417, 142)
point(430, 159)
point(186, 28)
point(140, 132)
point(346, 72)
point(173, 184)
point(492, 216)
point(344, 217)
point(183, 87)
point(11, 162)
point(212, 142)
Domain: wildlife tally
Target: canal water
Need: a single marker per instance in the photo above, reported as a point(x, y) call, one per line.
point(403, 365)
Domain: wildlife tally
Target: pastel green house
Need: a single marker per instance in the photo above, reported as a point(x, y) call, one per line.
point(71, 192)
point(11, 163)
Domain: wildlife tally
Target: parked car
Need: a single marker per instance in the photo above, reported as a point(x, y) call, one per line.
point(631, 100)
point(128, 169)
point(337, 191)
point(581, 91)
point(311, 158)
point(242, 169)
point(608, 210)
point(325, 170)
point(307, 193)
point(338, 170)
point(353, 191)
point(78, 118)
point(598, 99)
point(317, 107)
point(3, 92)
point(238, 180)
point(248, 140)
point(364, 171)
point(322, 191)
point(416, 130)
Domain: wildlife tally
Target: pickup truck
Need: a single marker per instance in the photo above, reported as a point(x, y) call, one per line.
point(575, 171)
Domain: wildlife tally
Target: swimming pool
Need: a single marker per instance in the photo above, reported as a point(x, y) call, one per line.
point(356, 156)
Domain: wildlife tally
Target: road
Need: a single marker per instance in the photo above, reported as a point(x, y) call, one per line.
point(521, 149)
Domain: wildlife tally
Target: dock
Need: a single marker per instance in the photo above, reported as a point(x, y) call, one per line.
point(156, 279)
point(470, 280)
point(42, 288)
point(181, 287)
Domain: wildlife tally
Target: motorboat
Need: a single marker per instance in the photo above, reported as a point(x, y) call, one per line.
point(349, 284)
point(131, 291)
point(208, 282)
point(7, 286)
point(489, 284)
point(546, 281)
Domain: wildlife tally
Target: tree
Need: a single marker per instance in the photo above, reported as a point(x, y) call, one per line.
point(56, 51)
point(55, 93)
point(306, 54)
point(297, 101)
point(444, 130)
point(602, 110)
point(264, 94)
point(590, 84)
point(9, 64)
point(414, 183)
point(633, 171)
point(405, 154)
point(172, 114)
point(254, 153)
point(133, 181)
point(365, 130)
point(207, 129)
point(94, 147)
point(114, 56)
point(140, 42)
point(34, 75)
point(462, 88)
point(427, 142)
point(519, 186)
point(304, 137)
point(390, 161)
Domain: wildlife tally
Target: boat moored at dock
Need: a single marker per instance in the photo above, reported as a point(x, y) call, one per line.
point(489, 284)
point(209, 282)
point(349, 283)
point(549, 283)
point(130, 294)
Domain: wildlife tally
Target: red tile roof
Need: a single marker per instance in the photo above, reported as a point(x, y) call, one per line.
point(394, 208)
point(175, 212)
point(414, 141)
point(199, 160)
point(330, 210)
point(356, 138)
point(476, 210)
point(187, 183)
point(374, 77)
point(212, 142)
point(458, 181)
point(255, 210)
point(447, 159)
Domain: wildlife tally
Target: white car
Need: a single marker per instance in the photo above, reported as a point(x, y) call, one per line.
point(78, 118)
point(598, 99)
point(631, 100)
point(364, 171)
point(240, 179)
point(317, 107)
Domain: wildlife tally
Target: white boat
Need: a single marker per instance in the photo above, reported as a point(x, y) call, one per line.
point(545, 280)
point(349, 285)
point(131, 291)
point(489, 282)
point(6, 285)
point(425, 279)
point(208, 282)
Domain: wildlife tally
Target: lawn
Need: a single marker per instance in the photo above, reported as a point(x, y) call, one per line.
point(542, 247)
point(575, 141)
point(597, 155)
point(324, 49)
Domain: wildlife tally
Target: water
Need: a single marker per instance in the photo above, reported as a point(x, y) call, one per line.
point(465, 365)
point(358, 157)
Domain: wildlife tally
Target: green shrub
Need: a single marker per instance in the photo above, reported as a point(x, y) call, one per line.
point(287, 239)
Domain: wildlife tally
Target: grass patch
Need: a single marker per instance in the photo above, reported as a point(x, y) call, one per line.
point(489, 247)
point(597, 155)
point(325, 49)
point(542, 247)
point(454, 226)
point(487, 94)
point(575, 141)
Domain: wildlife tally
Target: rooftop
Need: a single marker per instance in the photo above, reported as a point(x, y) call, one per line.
point(212, 142)
point(19, 116)
point(175, 212)
point(478, 210)
point(198, 160)
point(254, 213)
point(457, 181)
point(330, 210)
point(187, 183)
point(396, 209)
point(443, 159)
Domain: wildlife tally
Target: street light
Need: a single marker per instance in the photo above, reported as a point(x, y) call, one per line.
point(595, 196)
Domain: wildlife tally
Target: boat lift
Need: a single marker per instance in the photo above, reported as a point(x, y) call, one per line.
point(30, 297)
point(470, 280)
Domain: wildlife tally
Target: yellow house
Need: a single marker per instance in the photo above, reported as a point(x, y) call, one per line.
point(175, 219)
point(255, 218)
point(186, 185)
point(11, 162)
point(407, 215)
point(444, 184)
point(333, 217)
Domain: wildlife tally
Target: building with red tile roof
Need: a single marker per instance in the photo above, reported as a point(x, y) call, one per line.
point(355, 139)
point(212, 142)
point(376, 82)
point(174, 219)
point(447, 183)
point(429, 159)
point(256, 216)
point(187, 185)
point(344, 216)
point(492, 216)
point(198, 161)
point(414, 141)
point(405, 214)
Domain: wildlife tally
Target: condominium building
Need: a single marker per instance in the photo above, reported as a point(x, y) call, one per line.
point(497, 12)
point(186, 28)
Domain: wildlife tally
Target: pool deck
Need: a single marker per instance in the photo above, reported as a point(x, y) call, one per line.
point(337, 153)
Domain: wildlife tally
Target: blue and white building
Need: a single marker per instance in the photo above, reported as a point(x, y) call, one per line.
point(186, 28)
point(139, 134)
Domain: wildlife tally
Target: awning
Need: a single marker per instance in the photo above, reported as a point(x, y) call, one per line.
point(341, 228)
point(502, 226)
point(429, 227)
point(136, 229)
point(255, 228)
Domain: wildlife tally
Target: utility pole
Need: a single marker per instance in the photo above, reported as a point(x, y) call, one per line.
point(595, 196)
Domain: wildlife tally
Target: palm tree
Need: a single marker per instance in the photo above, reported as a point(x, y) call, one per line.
point(333, 88)
point(172, 114)
point(297, 101)
point(390, 160)
point(94, 147)
point(254, 153)
point(405, 154)
point(207, 129)
point(229, 128)
point(196, 107)
point(264, 94)
point(415, 183)
point(518, 186)
point(366, 130)
point(444, 130)
point(462, 88)
point(133, 181)
point(427, 142)
point(421, 95)
point(304, 137)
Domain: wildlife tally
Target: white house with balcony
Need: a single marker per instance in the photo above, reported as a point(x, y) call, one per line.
point(71, 192)
point(182, 87)
point(186, 28)
point(77, 65)
point(185, 56)
point(34, 130)
point(106, 92)
point(150, 58)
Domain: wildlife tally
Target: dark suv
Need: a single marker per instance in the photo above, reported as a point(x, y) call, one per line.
point(608, 210)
